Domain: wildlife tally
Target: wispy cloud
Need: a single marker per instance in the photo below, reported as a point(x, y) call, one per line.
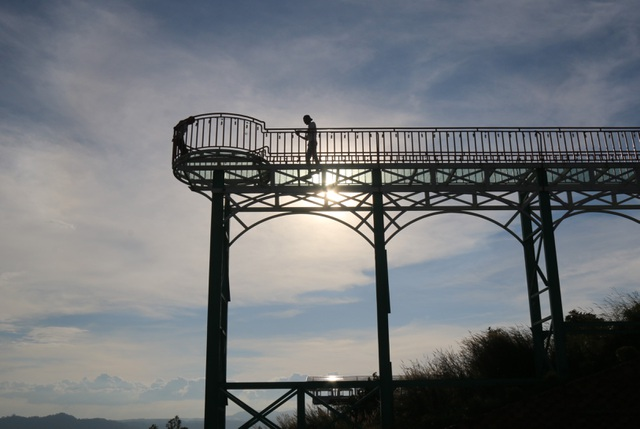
point(54, 335)
point(106, 391)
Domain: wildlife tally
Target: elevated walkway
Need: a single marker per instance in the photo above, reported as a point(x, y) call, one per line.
point(384, 180)
point(258, 159)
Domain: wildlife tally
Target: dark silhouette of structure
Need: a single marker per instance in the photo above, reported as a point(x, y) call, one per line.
point(387, 179)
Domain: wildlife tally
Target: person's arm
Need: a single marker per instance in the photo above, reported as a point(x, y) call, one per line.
point(301, 136)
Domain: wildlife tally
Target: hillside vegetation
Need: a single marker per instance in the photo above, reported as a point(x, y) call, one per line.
point(495, 369)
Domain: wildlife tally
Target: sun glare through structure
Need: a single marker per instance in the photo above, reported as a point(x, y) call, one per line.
point(325, 178)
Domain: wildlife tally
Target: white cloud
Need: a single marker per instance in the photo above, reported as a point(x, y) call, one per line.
point(107, 391)
point(283, 314)
point(596, 254)
point(54, 335)
point(284, 259)
point(346, 352)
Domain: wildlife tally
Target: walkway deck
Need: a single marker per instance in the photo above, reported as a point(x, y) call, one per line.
point(253, 155)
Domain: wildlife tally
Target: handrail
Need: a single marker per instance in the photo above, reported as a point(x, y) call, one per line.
point(411, 144)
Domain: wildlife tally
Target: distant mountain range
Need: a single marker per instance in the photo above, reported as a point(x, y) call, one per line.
point(61, 421)
point(65, 421)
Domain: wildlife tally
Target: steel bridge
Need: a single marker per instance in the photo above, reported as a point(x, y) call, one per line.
point(386, 179)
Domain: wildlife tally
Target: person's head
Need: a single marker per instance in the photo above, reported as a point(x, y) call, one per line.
point(307, 119)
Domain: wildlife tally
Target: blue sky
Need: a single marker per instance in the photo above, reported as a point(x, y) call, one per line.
point(104, 255)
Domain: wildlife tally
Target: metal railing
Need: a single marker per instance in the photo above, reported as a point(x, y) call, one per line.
point(409, 145)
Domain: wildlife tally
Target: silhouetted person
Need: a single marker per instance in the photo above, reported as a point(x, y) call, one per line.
point(312, 139)
point(178, 134)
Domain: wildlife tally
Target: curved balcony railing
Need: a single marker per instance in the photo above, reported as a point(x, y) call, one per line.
point(251, 139)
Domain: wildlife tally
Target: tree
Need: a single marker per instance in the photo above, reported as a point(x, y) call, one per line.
point(596, 342)
point(499, 353)
point(174, 423)
point(587, 342)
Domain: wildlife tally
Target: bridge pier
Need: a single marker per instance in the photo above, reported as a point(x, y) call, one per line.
point(533, 291)
point(553, 275)
point(217, 316)
point(549, 273)
point(383, 305)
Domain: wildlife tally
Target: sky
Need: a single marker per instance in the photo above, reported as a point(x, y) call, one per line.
point(104, 254)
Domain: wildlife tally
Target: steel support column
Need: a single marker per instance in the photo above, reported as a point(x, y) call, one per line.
point(553, 276)
point(215, 399)
point(383, 305)
point(301, 409)
point(533, 292)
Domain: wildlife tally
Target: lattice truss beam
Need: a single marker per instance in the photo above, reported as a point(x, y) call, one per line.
point(345, 195)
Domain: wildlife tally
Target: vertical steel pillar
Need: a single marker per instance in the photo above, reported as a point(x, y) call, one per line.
point(383, 305)
point(533, 292)
point(553, 276)
point(215, 400)
point(302, 421)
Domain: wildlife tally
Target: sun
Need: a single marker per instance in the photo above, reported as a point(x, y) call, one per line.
point(331, 195)
point(328, 181)
point(325, 178)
